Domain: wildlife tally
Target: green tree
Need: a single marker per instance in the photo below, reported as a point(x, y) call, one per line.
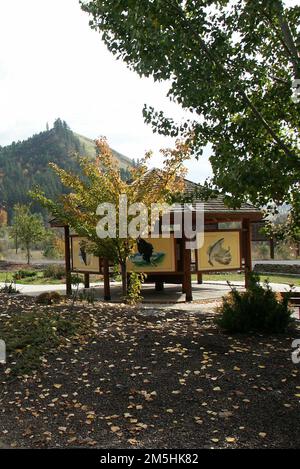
point(233, 65)
point(27, 229)
point(101, 182)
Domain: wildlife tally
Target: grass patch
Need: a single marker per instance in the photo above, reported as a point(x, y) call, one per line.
point(234, 277)
point(29, 336)
point(38, 279)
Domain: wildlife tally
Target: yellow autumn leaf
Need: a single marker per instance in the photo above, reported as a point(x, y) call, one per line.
point(230, 439)
point(115, 429)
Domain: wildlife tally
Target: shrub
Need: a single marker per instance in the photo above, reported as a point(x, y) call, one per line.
point(9, 288)
point(49, 298)
point(76, 279)
point(54, 271)
point(21, 274)
point(256, 310)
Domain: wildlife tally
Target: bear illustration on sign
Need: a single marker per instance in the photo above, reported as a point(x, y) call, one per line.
point(145, 249)
point(146, 256)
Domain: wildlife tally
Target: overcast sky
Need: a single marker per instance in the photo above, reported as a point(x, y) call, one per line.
point(53, 65)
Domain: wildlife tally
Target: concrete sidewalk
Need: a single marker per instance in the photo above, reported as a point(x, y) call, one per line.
point(171, 294)
point(206, 297)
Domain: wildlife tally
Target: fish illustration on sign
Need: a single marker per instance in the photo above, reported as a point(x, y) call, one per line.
point(217, 253)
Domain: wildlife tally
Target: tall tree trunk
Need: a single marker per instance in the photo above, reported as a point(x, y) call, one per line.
point(124, 278)
point(28, 255)
point(16, 244)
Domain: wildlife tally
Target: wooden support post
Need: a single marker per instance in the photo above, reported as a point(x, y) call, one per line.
point(86, 280)
point(68, 261)
point(159, 286)
point(107, 295)
point(272, 248)
point(187, 276)
point(199, 278)
point(246, 234)
point(297, 250)
point(199, 274)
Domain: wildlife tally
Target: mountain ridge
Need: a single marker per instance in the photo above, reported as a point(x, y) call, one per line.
point(25, 164)
point(124, 161)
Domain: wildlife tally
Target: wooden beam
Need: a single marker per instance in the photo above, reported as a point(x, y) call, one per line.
point(199, 278)
point(246, 240)
point(187, 276)
point(272, 248)
point(107, 295)
point(86, 280)
point(68, 261)
point(199, 274)
point(159, 286)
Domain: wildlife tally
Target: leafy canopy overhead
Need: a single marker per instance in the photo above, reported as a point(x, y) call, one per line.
point(232, 64)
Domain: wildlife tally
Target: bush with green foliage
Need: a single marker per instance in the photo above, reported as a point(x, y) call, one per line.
point(54, 271)
point(256, 310)
point(21, 274)
point(76, 280)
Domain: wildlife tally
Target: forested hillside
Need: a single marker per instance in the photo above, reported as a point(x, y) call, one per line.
point(25, 164)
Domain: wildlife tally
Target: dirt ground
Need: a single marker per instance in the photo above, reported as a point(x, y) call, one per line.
point(134, 379)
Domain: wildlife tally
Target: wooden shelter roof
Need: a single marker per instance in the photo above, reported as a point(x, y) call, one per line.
point(215, 209)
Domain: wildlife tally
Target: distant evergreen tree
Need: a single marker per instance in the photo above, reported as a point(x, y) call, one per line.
point(58, 125)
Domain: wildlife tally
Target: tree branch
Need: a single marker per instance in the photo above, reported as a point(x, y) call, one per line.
point(286, 31)
point(286, 38)
point(240, 90)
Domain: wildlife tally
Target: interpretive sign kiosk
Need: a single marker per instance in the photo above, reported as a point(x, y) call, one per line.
point(166, 260)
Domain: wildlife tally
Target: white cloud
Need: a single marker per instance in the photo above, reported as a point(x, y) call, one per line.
point(53, 65)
